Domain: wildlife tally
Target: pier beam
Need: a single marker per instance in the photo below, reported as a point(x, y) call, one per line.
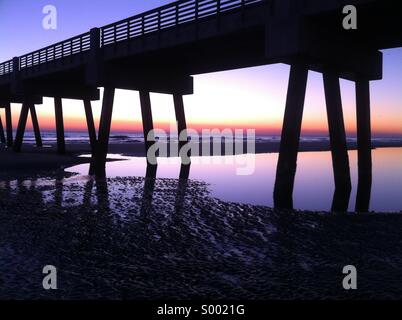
point(9, 125)
point(58, 111)
point(21, 127)
point(90, 124)
point(2, 136)
point(35, 125)
point(339, 151)
point(287, 162)
point(364, 146)
point(104, 132)
point(147, 121)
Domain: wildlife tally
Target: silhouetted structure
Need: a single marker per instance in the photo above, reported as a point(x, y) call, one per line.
point(159, 50)
point(9, 126)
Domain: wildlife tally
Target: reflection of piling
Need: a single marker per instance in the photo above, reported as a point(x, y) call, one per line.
point(58, 195)
point(149, 187)
point(88, 193)
point(339, 151)
point(182, 187)
point(363, 145)
point(287, 161)
point(185, 171)
point(102, 194)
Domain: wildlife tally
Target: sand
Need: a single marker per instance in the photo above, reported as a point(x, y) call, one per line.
point(136, 238)
point(131, 238)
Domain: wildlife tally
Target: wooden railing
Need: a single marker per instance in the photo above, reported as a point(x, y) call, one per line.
point(56, 51)
point(164, 17)
point(168, 16)
point(6, 67)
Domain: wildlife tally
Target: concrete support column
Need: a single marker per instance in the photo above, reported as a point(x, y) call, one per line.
point(104, 132)
point(147, 121)
point(2, 136)
point(90, 124)
point(58, 111)
point(93, 69)
point(9, 126)
point(339, 151)
point(35, 125)
point(21, 127)
point(181, 119)
point(363, 145)
point(287, 162)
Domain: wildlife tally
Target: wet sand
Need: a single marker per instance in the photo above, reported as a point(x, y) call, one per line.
point(137, 238)
point(134, 238)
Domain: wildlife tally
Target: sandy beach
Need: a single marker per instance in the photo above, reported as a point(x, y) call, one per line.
point(138, 238)
point(168, 239)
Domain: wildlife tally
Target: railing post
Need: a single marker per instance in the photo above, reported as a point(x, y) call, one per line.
point(95, 36)
point(15, 83)
point(16, 64)
point(93, 66)
point(128, 29)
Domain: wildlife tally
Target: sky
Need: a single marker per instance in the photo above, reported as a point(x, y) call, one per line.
point(252, 98)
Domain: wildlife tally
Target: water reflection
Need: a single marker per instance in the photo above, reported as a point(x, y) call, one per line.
point(314, 183)
point(340, 201)
point(149, 188)
point(314, 187)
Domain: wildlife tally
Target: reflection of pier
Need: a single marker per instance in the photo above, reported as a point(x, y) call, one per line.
point(54, 193)
point(159, 50)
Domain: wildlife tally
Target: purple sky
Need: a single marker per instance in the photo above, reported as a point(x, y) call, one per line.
point(222, 94)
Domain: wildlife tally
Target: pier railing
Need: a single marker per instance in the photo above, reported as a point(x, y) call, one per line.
point(56, 51)
point(170, 15)
point(6, 67)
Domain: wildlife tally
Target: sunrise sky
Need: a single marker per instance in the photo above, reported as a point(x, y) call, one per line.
point(251, 98)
